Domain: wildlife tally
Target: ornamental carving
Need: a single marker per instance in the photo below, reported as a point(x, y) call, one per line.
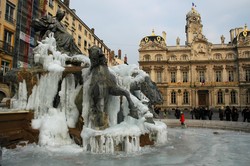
point(246, 66)
point(159, 68)
point(230, 67)
point(218, 67)
point(184, 68)
point(172, 68)
point(147, 68)
point(201, 67)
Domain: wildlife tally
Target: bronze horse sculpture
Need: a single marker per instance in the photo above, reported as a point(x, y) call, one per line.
point(103, 83)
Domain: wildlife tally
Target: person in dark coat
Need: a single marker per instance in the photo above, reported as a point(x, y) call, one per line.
point(235, 114)
point(177, 113)
point(228, 113)
point(221, 114)
point(248, 115)
point(244, 113)
point(210, 114)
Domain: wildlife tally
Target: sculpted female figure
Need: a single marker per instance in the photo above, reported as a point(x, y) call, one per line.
point(48, 24)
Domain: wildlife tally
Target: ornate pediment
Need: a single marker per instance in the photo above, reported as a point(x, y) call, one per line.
point(245, 66)
point(201, 67)
point(152, 46)
point(172, 68)
point(230, 67)
point(147, 68)
point(218, 67)
point(184, 68)
point(159, 68)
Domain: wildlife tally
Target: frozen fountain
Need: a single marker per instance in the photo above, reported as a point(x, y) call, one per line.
point(114, 118)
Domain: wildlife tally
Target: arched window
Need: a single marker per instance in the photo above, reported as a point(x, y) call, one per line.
point(246, 54)
point(184, 57)
point(158, 57)
point(173, 97)
point(217, 56)
point(230, 56)
point(173, 58)
point(146, 57)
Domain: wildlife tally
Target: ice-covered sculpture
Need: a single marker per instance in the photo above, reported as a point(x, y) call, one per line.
point(54, 120)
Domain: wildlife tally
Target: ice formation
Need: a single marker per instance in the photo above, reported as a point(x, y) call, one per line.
point(53, 122)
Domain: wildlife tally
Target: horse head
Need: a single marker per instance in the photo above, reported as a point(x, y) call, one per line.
point(96, 57)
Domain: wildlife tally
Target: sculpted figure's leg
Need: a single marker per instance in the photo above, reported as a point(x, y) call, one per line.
point(117, 91)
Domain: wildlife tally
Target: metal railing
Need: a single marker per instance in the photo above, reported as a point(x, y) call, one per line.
point(7, 48)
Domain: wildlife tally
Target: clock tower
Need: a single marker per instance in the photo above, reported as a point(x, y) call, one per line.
point(193, 26)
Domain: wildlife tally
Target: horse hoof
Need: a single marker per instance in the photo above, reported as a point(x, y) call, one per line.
point(150, 120)
point(133, 114)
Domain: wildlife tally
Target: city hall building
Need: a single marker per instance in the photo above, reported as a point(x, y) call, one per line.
point(199, 73)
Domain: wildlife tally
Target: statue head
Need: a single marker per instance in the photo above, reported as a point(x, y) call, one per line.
point(96, 57)
point(60, 14)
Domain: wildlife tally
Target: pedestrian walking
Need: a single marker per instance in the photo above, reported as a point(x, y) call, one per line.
point(182, 119)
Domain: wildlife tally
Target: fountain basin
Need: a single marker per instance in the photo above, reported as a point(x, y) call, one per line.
point(190, 146)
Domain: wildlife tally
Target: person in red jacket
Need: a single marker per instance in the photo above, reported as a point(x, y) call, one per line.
point(182, 119)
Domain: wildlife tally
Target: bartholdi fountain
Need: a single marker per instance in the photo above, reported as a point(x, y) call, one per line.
point(110, 107)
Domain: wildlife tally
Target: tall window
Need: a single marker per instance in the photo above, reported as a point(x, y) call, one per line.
point(218, 76)
point(7, 41)
point(9, 15)
point(79, 40)
point(159, 79)
point(173, 77)
point(230, 76)
point(185, 76)
point(248, 75)
point(7, 36)
point(79, 27)
point(158, 58)
point(233, 97)
point(220, 97)
point(185, 97)
point(5, 66)
point(248, 97)
point(173, 97)
point(202, 76)
point(173, 58)
point(51, 3)
point(147, 57)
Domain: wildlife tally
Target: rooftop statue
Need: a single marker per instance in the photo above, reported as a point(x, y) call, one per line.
point(64, 40)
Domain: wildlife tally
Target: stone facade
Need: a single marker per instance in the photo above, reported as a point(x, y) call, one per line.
point(199, 73)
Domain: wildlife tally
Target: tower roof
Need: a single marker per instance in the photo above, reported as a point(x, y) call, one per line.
point(153, 38)
point(193, 12)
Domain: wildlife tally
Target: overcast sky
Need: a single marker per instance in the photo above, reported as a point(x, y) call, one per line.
point(121, 24)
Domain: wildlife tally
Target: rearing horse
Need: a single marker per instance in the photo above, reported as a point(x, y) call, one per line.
point(103, 83)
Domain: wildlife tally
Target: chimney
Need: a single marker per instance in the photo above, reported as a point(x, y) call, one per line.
point(93, 30)
point(112, 54)
point(66, 2)
point(164, 35)
point(232, 34)
point(119, 53)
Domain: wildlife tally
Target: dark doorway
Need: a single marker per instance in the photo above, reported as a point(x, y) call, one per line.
point(203, 98)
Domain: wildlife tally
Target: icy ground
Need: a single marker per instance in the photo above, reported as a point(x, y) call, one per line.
point(189, 147)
